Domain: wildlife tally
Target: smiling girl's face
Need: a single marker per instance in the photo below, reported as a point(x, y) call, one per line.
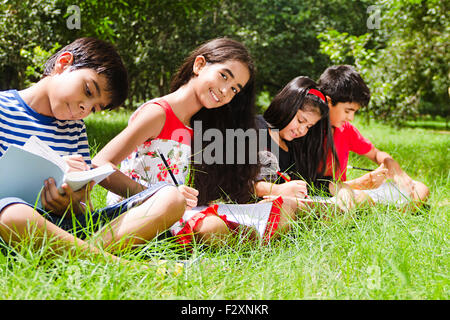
point(218, 83)
point(300, 124)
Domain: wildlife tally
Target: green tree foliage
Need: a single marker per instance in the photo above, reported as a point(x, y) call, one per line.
point(26, 38)
point(154, 36)
point(282, 34)
point(405, 61)
point(146, 33)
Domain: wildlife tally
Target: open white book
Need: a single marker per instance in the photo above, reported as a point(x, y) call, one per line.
point(24, 169)
point(254, 216)
point(387, 193)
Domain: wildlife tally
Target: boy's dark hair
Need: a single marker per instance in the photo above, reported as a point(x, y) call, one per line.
point(103, 58)
point(342, 83)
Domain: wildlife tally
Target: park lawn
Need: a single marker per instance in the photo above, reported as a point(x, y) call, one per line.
point(375, 253)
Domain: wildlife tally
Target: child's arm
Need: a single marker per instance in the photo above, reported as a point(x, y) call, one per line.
point(394, 171)
point(294, 188)
point(147, 125)
point(370, 180)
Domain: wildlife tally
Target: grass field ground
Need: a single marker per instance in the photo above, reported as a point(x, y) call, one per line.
point(375, 253)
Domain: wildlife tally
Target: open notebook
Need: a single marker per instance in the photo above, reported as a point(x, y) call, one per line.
point(24, 169)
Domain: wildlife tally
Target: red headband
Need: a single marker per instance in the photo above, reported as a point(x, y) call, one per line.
point(317, 93)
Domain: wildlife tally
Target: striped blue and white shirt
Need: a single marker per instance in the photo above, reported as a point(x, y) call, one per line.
point(18, 122)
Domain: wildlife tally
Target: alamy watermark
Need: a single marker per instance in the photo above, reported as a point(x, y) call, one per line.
point(74, 20)
point(373, 22)
point(235, 147)
point(374, 277)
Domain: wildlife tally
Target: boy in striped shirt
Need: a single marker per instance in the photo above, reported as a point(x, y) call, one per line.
point(85, 76)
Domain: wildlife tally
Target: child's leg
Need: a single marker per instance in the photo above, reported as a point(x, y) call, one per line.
point(211, 230)
point(421, 192)
point(287, 214)
point(19, 221)
point(419, 196)
point(144, 222)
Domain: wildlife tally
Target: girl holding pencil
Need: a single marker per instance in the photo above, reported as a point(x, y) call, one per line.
point(309, 151)
point(215, 85)
point(297, 125)
point(217, 78)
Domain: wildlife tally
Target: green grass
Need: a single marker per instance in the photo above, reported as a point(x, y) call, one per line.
point(429, 122)
point(375, 253)
point(102, 127)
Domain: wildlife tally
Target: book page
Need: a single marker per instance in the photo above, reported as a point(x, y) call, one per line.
point(254, 216)
point(77, 179)
point(387, 193)
point(40, 148)
point(250, 215)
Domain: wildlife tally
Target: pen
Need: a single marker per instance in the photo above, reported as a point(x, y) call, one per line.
point(364, 169)
point(284, 176)
point(168, 168)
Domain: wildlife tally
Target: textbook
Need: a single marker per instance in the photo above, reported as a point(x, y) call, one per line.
point(24, 169)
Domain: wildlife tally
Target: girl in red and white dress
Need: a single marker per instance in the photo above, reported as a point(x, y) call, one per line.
point(144, 164)
point(215, 85)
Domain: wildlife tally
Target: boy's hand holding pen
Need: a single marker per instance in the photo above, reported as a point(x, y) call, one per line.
point(190, 194)
point(76, 163)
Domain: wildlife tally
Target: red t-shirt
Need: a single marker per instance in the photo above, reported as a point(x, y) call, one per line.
point(346, 138)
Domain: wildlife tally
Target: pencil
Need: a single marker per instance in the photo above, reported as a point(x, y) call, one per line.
point(357, 168)
point(284, 176)
point(168, 167)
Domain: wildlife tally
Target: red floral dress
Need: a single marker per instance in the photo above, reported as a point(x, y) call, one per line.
point(145, 165)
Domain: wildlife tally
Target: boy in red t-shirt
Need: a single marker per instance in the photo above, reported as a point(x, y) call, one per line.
point(347, 93)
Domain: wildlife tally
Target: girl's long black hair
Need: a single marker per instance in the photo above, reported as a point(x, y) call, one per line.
point(233, 182)
point(310, 151)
